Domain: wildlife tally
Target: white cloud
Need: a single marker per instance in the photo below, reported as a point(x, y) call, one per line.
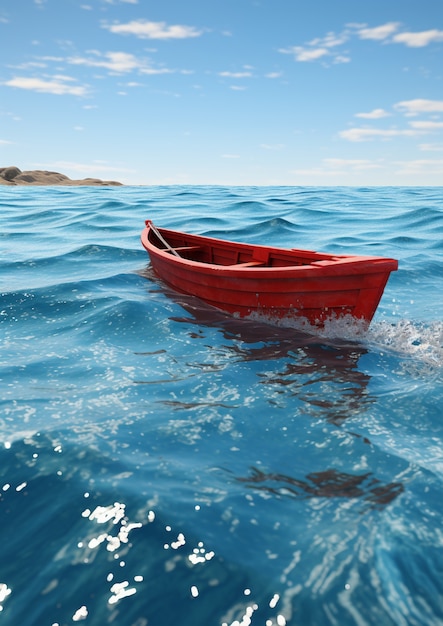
point(426, 125)
point(431, 147)
point(420, 39)
point(32, 65)
point(317, 171)
point(118, 62)
point(354, 164)
point(414, 107)
point(378, 33)
point(366, 134)
point(274, 75)
point(421, 166)
point(55, 86)
point(230, 156)
point(153, 30)
point(322, 47)
point(235, 74)
point(331, 40)
point(335, 167)
point(341, 58)
point(4, 142)
point(305, 54)
point(376, 114)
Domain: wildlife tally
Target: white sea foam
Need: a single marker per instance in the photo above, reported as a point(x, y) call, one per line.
point(420, 343)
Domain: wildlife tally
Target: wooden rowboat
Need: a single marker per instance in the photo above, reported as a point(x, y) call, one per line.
point(246, 279)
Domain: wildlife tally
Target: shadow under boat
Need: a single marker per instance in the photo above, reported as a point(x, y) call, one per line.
point(306, 358)
point(280, 339)
point(315, 359)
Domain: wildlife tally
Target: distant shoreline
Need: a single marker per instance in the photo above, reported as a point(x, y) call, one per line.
point(13, 176)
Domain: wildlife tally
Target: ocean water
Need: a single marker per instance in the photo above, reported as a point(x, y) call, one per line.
point(163, 464)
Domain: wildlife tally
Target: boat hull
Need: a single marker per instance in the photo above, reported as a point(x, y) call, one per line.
point(243, 279)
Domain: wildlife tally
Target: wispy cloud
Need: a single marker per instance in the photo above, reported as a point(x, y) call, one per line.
point(120, 1)
point(431, 147)
point(379, 33)
point(335, 167)
point(58, 85)
point(328, 47)
point(117, 62)
point(320, 48)
point(153, 30)
point(366, 134)
point(419, 105)
point(305, 54)
point(274, 146)
point(376, 114)
point(235, 74)
point(84, 168)
point(353, 164)
point(426, 125)
point(420, 39)
point(388, 33)
point(331, 40)
point(420, 166)
point(317, 172)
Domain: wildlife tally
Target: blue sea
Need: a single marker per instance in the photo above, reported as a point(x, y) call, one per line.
point(164, 464)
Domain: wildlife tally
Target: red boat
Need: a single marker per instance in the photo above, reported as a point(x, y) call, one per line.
point(244, 279)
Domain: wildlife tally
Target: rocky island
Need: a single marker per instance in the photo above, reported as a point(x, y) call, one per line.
point(14, 176)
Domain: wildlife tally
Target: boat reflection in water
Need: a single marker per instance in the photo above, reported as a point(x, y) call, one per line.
point(307, 377)
point(326, 484)
point(305, 360)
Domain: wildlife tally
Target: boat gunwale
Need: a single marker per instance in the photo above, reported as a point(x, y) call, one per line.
point(324, 263)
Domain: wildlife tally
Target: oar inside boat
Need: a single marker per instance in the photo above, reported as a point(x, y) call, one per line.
point(161, 238)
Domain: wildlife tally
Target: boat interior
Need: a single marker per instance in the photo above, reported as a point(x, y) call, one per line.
point(226, 253)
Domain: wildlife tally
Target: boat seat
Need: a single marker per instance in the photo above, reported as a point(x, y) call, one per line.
point(249, 264)
point(186, 248)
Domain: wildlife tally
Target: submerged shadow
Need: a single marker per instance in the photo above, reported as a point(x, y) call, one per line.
point(329, 483)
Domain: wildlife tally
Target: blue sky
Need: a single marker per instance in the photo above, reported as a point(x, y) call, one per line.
point(234, 92)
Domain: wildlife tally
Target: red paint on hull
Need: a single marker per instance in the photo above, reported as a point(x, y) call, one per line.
point(244, 278)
